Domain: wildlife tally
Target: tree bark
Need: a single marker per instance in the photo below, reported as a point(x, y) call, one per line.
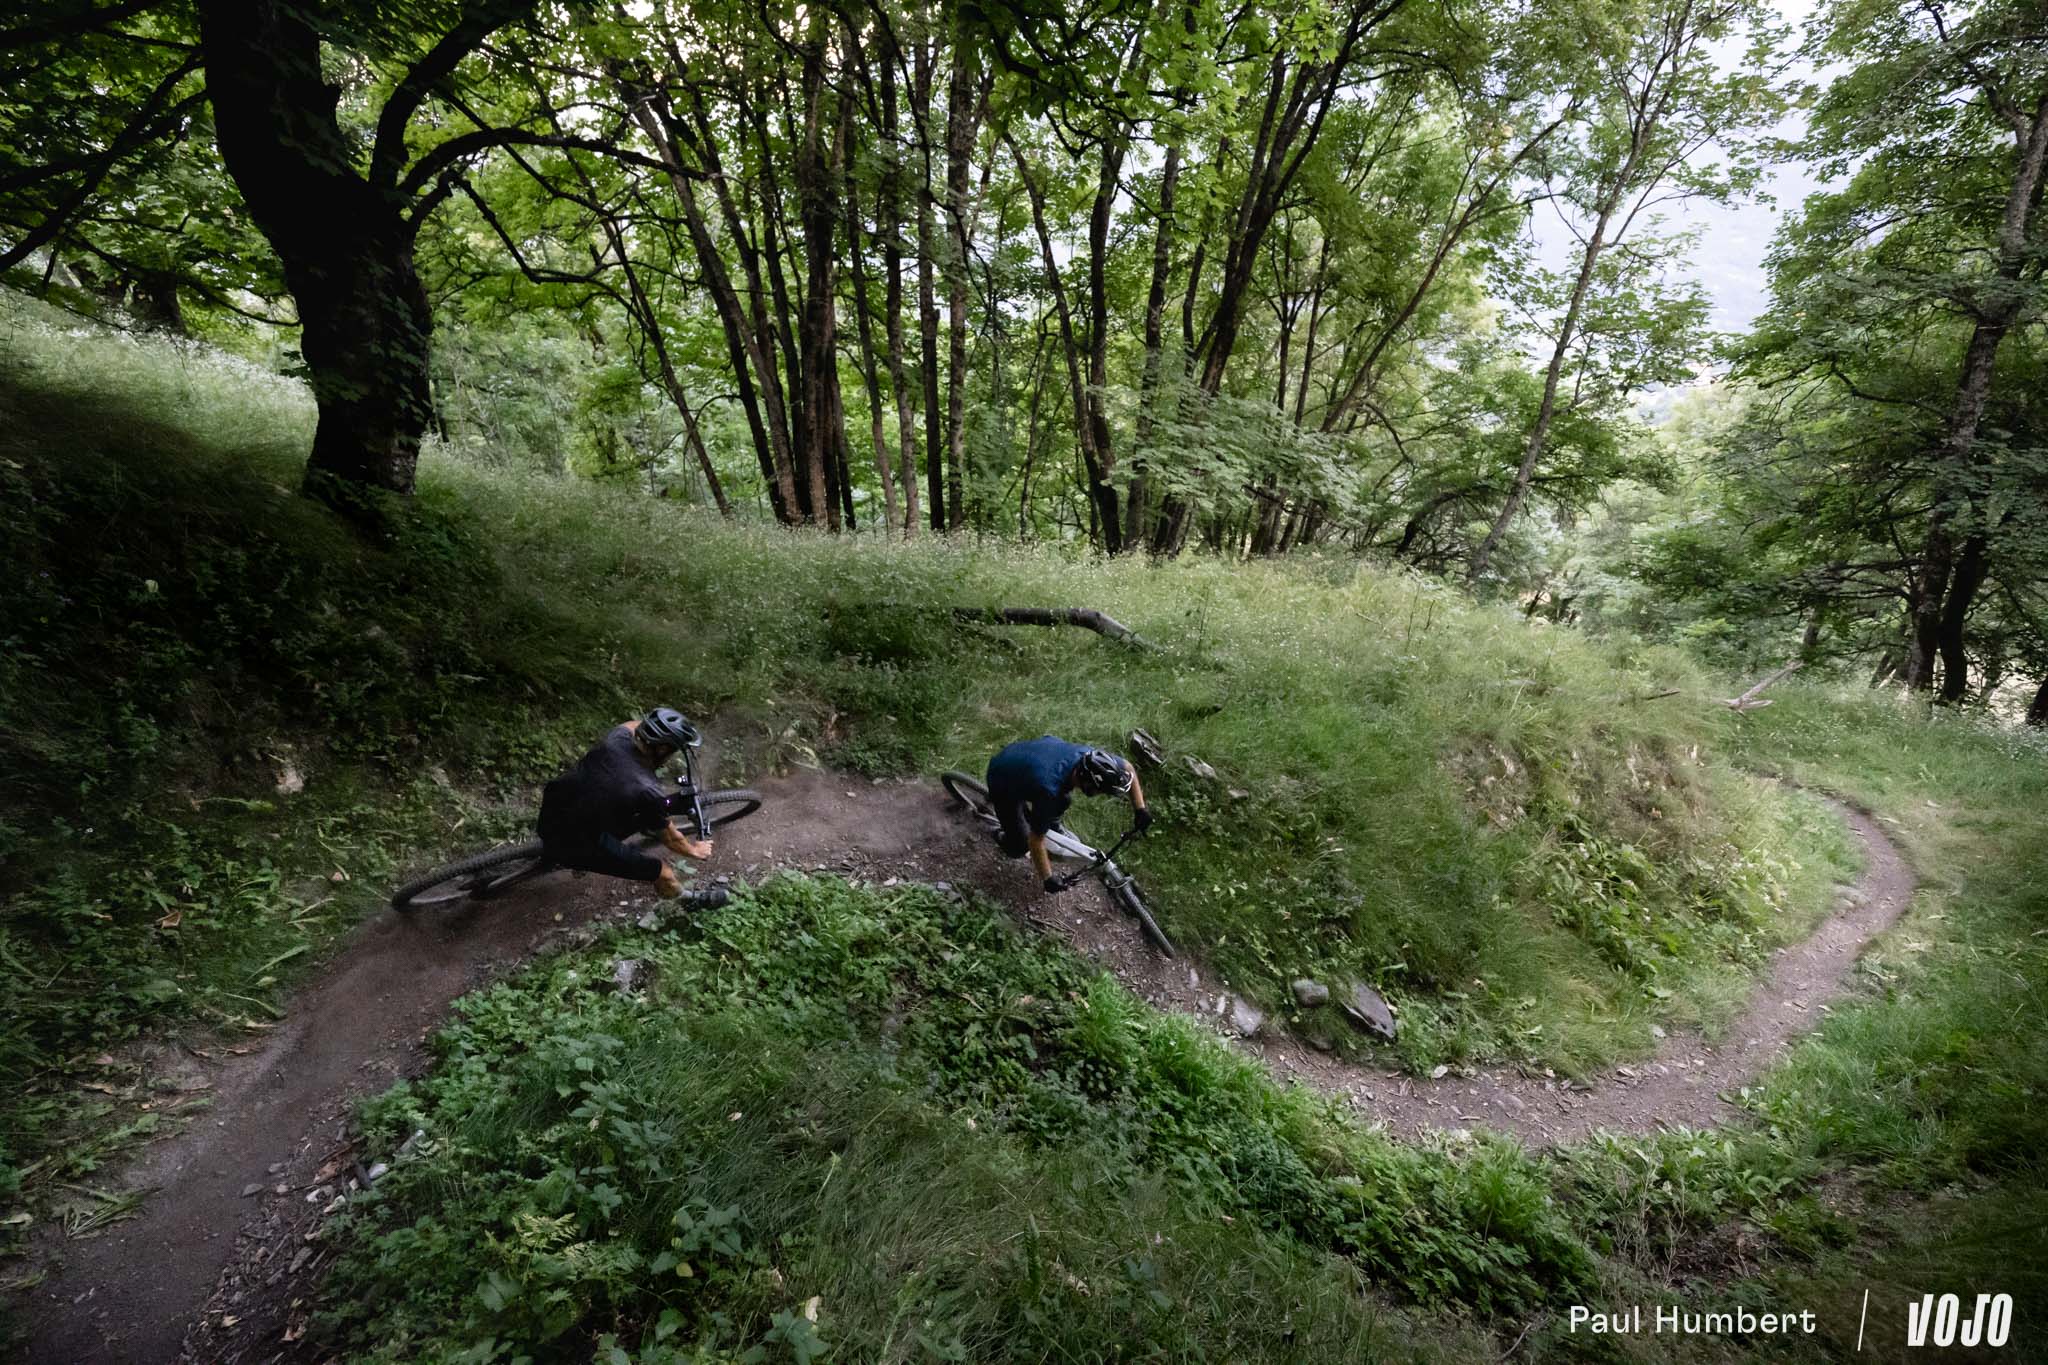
point(764, 419)
point(1957, 453)
point(869, 375)
point(346, 243)
point(2037, 712)
point(1101, 495)
point(1155, 330)
point(963, 118)
point(1100, 441)
point(927, 301)
point(816, 170)
point(1970, 571)
point(889, 225)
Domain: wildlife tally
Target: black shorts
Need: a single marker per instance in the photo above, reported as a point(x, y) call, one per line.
point(599, 852)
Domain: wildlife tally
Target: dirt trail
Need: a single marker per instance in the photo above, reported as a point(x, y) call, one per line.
point(1682, 1085)
point(205, 1268)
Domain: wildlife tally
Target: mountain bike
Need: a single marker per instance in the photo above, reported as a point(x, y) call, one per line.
point(497, 870)
point(1062, 843)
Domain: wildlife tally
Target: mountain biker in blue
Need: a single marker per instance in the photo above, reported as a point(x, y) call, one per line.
point(612, 794)
point(1031, 784)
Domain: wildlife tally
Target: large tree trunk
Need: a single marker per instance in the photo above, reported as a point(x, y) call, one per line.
point(816, 169)
point(1971, 568)
point(1996, 312)
point(963, 118)
point(2037, 713)
point(927, 293)
point(764, 413)
point(1101, 496)
point(869, 374)
point(346, 244)
point(778, 328)
point(1099, 438)
point(1155, 329)
point(889, 224)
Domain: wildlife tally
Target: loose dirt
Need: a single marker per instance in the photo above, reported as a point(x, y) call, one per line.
point(209, 1267)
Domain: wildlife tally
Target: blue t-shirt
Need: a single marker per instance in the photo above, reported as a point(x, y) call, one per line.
point(1032, 774)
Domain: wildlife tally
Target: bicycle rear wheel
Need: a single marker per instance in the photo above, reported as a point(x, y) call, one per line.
point(472, 877)
point(1132, 902)
point(969, 792)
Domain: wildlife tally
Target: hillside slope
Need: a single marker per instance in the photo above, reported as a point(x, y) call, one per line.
point(227, 723)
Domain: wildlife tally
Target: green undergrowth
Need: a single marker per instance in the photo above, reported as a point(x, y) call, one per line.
point(1897, 1151)
point(225, 718)
point(947, 1136)
point(1932, 1082)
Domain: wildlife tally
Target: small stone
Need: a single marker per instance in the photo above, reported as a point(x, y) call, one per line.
point(1245, 1017)
point(248, 1190)
point(648, 921)
point(1439, 1071)
point(626, 973)
point(1656, 1030)
point(1309, 994)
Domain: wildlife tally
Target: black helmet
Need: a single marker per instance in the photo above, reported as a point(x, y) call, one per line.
point(1102, 773)
point(663, 726)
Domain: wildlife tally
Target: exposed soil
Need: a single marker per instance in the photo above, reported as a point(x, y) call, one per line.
point(208, 1267)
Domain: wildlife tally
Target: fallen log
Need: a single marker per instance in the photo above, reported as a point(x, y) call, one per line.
point(1085, 617)
point(1750, 701)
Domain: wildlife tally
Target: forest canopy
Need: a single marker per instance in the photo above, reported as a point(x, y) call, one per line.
point(1405, 279)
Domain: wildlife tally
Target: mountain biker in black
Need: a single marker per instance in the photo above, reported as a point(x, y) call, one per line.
point(1031, 784)
point(612, 794)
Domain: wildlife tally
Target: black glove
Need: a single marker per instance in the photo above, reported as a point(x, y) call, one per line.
point(1055, 885)
point(1142, 819)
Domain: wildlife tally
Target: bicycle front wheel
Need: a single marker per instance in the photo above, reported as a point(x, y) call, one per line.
point(472, 877)
point(1132, 902)
point(730, 804)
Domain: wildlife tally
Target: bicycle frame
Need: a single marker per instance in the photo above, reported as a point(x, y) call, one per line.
point(688, 782)
point(1062, 844)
